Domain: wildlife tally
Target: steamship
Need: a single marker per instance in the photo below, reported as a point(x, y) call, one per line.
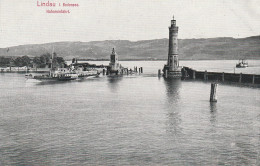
point(64, 74)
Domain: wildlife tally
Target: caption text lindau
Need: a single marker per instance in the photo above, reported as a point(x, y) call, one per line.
point(54, 4)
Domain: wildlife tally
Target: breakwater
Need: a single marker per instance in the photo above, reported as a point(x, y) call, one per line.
point(221, 76)
point(23, 70)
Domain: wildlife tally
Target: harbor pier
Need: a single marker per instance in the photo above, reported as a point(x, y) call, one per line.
point(222, 77)
point(115, 68)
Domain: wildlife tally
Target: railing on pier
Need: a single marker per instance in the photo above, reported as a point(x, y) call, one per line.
point(223, 77)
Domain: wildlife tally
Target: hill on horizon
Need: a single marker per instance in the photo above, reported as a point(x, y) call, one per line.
point(224, 48)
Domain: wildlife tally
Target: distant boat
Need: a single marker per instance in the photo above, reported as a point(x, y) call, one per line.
point(242, 63)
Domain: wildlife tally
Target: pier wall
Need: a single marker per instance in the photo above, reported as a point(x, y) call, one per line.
point(223, 77)
point(23, 70)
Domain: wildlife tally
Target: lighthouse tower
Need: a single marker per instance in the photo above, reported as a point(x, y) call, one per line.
point(172, 69)
point(114, 64)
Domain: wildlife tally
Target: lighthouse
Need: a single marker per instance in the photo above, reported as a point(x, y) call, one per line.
point(114, 66)
point(172, 68)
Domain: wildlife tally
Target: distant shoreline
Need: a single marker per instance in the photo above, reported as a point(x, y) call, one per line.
point(147, 50)
point(161, 59)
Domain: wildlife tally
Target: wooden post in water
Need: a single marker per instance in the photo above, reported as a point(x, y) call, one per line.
point(141, 69)
point(240, 78)
point(205, 75)
point(253, 79)
point(166, 73)
point(223, 77)
point(127, 72)
point(194, 74)
point(213, 92)
point(104, 71)
point(159, 73)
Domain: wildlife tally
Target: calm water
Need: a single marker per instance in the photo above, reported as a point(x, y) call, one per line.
point(130, 120)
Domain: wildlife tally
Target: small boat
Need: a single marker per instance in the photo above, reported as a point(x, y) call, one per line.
point(242, 63)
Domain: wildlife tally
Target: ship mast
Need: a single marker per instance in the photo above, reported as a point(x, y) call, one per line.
point(52, 61)
point(52, 55)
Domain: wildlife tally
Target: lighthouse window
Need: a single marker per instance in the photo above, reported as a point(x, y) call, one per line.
point(112, 58)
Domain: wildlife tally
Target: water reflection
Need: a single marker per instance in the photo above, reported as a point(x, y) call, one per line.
point(213, 107)
point(172, 90)
point(113, 82)
point(173, 106)
point(213, 113)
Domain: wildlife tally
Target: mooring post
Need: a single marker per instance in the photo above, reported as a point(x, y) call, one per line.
point(104, 71)
point(213, 92)
point(205, 75)
point(240, 78)
point(253, 79)
point(127, 72)
point(194, 74)
point(141, 69)
point(223, 77)
point(166, 73)
point(159, 73)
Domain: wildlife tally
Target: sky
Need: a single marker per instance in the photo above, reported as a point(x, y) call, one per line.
point(23, 22)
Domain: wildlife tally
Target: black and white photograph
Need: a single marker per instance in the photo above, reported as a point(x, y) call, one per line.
point(129, 82)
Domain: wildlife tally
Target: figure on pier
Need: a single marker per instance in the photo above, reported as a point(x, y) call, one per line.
point(172, 68)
